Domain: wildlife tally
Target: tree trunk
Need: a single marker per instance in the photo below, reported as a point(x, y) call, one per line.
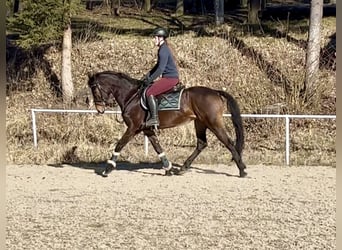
point(115, 7)
point(313, 49)
point(263, 5)
point(219, 12)
point(16, 6)
point(67, 84)
point(89, 5)
point(180, 8)
point(147, 5)
point(243, 3)
point(253, 11)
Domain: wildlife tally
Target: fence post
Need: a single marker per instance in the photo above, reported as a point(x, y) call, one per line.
point(146, 145)
point(34, 128)
point(287, 136)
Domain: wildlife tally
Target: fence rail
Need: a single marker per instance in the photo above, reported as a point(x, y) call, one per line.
point(286, 117)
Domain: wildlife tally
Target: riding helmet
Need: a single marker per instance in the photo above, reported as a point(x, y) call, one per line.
point(160, 32)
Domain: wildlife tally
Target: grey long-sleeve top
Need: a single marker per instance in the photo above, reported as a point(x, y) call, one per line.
point(165, 66)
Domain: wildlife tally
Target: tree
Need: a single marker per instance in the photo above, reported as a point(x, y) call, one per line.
point(243, 3)
point(219, 11)
point(253, 11)
point(38, 23)
point(313, 49)
point(147, 5)
point(115, 6)
point(180, 7)
point(16, 6)
point(46, 22)
point(67, 84)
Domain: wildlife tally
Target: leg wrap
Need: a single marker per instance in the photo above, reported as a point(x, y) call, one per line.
point(166, 164)
point(116, 153)
point(114, 158)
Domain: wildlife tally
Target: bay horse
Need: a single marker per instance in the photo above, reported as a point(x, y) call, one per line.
point(203, 105)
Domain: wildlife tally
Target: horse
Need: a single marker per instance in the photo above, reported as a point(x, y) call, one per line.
point(203, 105)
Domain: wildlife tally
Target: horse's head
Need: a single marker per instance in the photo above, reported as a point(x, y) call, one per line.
point(102, 96)
point(112, 88)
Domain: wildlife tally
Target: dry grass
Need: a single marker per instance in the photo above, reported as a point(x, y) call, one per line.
point(203, 60)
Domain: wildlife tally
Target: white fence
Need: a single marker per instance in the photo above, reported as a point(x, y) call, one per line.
point(286, 117)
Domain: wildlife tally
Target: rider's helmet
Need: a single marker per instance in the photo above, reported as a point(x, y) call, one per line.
point(161, 32)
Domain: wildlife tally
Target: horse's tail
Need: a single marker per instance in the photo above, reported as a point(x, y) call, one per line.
point(237, 121)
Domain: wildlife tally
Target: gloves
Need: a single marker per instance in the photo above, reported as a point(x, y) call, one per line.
point(146, 80)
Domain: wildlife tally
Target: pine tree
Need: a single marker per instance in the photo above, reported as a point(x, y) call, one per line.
point(44, 22)
point(39, 22)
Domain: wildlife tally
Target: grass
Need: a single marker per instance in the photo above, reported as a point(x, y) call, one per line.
point(252, 67)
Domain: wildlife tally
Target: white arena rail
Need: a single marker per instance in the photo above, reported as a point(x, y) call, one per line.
point(286, 117)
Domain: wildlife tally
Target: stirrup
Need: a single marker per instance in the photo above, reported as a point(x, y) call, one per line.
point(151, 123)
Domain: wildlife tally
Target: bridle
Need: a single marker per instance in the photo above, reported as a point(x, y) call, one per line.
point(95, 84)
point(102, 102)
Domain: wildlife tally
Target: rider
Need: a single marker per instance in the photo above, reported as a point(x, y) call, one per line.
point(165, 68)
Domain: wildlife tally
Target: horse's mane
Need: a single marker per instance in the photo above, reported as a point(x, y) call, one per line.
point(119, 75)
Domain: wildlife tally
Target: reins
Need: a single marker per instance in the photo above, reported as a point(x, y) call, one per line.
point(137, 93)
point(103, 103)
point(130, 100)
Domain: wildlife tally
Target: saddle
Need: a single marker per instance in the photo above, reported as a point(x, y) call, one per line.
point(169, 100)
point(178, 87)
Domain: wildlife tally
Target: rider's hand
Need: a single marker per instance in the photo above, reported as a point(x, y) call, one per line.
point(147, 80)
point(143, 78)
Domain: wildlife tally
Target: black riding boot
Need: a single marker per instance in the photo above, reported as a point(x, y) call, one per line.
point(152, 104)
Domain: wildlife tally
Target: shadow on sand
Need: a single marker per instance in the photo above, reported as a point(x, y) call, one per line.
point(141, 167)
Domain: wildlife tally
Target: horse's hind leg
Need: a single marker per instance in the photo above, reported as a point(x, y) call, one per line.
point(201, 144)
point(223, 137)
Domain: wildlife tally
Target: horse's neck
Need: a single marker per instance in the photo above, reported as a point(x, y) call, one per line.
point(125, 95)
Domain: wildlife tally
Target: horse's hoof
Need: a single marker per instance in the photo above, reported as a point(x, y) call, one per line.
point(181, 171)
point(168, 172)
point(108, 170)
point(243, 174)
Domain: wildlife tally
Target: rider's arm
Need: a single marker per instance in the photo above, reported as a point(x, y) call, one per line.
point(160, 66)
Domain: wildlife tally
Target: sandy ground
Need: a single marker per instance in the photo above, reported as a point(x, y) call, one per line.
point(136, 207)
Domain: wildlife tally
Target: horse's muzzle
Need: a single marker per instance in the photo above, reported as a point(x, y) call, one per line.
point(100, 108)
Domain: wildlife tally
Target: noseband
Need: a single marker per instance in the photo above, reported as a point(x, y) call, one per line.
point(95, 84)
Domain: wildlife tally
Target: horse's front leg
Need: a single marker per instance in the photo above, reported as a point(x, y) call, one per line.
point(167, 165)
point(127, 136)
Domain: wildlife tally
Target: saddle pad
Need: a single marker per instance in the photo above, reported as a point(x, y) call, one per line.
point(170, 101)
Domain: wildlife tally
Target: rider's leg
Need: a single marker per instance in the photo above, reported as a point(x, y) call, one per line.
point(153, 108)
point(157, 88)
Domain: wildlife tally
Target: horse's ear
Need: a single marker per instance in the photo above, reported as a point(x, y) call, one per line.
point(90, 74)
